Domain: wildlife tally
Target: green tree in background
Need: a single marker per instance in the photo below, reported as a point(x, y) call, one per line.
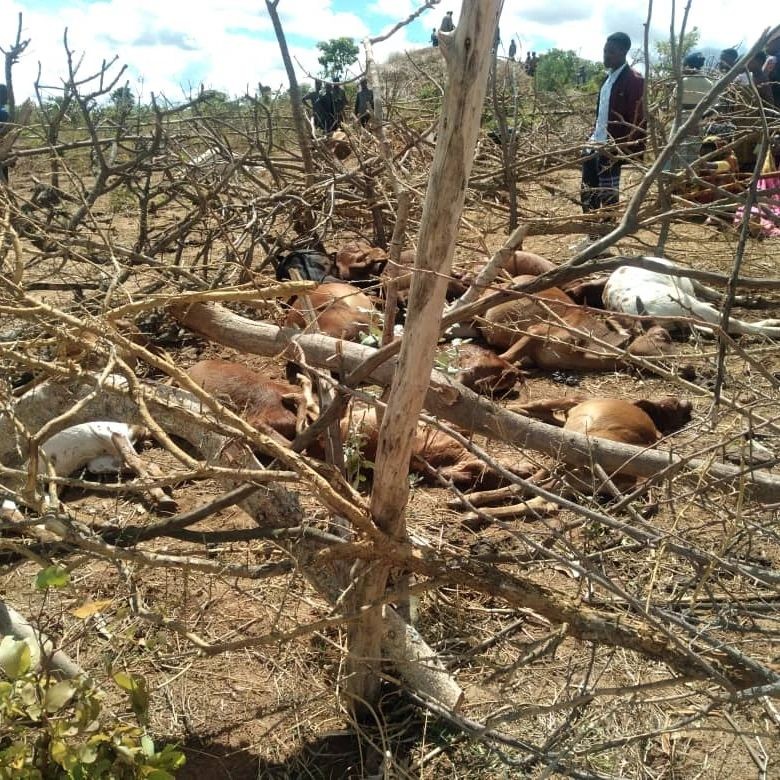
point(662, 64)
point(337, 55)
point(558, 69)
point(123, 99)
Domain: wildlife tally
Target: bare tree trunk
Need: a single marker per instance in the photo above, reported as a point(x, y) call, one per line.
point(468, 59)
point(299, 118)
point(12, 55)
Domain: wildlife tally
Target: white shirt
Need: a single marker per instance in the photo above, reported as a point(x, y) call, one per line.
point(600, 135)
point(694, 87)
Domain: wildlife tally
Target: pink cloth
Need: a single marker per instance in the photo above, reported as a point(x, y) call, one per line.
point(767, 211)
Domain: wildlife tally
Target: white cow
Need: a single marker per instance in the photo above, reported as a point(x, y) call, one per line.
point(637, 291)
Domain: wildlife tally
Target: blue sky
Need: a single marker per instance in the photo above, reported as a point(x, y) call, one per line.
point(172, 47)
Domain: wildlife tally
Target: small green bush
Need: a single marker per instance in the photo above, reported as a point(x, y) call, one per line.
point(52, 728)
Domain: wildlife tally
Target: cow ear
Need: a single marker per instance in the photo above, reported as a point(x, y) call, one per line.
point(655, 412)
point(646, 405)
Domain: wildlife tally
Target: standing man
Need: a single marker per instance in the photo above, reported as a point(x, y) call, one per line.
point(772, 68)
point(512, 49)
point(620, 127)
point(447, 25)
point(339, 104)
point(314, 99)
point(434, 38)
point(364, 103)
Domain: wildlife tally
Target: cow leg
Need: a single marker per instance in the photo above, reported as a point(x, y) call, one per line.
point(488, 497)
point(532, 507)
point(518, 349)
point(545, 410)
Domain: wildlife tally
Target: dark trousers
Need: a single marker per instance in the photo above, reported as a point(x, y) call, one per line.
point(600, 182)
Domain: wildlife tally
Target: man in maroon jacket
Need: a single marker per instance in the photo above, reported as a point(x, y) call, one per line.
point(620, 128)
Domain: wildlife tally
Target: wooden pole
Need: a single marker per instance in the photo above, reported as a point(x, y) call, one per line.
point(467, 51)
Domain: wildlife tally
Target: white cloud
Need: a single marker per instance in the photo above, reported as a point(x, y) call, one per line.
point(721, 23)
point(229, 44)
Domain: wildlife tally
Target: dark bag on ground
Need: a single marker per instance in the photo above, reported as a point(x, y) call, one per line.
point(312, 265)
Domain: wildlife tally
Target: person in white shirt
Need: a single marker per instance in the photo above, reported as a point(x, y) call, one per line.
point(620, 131)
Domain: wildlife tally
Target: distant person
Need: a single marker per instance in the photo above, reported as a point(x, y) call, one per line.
point(447, 25)
point(364, 103)
point(325, 108)
point(512, 49)
point(5, 124)
point(728, 59)
point(434, 38)
point(339, 104)
point(534, 63)
point(317, 105)
point(772, 68)
point(528, 65)
point(694, 86)
point(756, 70)
point(581, 76)
point(620, 128)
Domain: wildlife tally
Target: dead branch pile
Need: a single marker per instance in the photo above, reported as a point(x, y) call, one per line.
point(131, 243)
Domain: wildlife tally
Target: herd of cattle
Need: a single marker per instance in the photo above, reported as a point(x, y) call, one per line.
point(555, 329)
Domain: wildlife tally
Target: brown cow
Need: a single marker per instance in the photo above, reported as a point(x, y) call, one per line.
point(432, 451)
point(274, 407)
point(340, 310)
point(358, 260)
point(478, 368)
point(642, 423)
point(402, 273)
point(537, 330)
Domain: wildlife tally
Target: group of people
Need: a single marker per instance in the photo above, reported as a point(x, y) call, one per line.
point(328, 106)
point(620, 127)
point(447, 25)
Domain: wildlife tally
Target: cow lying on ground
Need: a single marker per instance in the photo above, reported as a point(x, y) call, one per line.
point(637, 291)
point(276, 408)
point(550, 331)
point(265, 403)
point(586, 291)
point(339, 310)
point(358, 261)
point(402, 275)
point(432, 451)
point(478, 368)
point(642, 423)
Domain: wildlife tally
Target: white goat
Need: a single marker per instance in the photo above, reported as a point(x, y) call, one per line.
point(637, 291)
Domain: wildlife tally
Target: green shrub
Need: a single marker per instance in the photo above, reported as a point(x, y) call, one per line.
point(52, 728)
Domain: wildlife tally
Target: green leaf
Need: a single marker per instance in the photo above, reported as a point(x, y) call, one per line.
point(15, 657)
point(153, 773)
point(52, 577)
point(59, 751)
point(125, 681)
point(147, 745)
point(88, 754)
point(170, 757)
point(136, 687)
point(58, 695)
